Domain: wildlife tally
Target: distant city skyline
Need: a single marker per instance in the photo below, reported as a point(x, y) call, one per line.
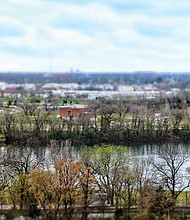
point(95, 36)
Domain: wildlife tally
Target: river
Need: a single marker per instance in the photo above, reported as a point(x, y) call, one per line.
point(53, 151)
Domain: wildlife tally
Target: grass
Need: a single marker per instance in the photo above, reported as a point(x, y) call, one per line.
point(184, 199)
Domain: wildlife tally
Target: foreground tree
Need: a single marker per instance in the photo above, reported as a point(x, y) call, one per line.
point(108, 161)
point(17, 165)
point(169, 169)
point(87, 184)
point(4, 184)
point(126, 188)
point(158, 202)
point(66, 186)
point(42, 187)
point(143, 173)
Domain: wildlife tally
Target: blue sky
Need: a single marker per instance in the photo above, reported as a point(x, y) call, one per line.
point(101, 35)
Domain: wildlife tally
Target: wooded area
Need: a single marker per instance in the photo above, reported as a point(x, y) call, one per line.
point(116, 121)
point(108, 173)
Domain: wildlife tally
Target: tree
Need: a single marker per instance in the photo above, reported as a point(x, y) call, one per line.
point(169, 169)
point(126, 187)
point(42, 187)
point(107, 110)
point(18, 166)
point(122, 109)
point(28, 106)
point(143, 174)
point(40, 118)
point(107, 162)
point(4, 183)
point(67, 185)
point(8, 124)
point(158, 202)
point(87, 185)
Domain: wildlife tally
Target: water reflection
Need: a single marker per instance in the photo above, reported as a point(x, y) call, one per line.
point(144, 150)
point(58, 149)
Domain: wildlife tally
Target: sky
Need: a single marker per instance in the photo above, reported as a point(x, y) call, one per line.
point(95, 36)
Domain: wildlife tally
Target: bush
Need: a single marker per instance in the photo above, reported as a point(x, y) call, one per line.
point(145, 216)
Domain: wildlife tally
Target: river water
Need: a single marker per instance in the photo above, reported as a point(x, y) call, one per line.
point(50, 153)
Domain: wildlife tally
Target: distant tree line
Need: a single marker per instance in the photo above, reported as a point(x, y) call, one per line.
point(117, 121)
point(159, 79)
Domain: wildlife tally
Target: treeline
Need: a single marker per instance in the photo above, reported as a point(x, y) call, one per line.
point(116, 121)
point(161, 80)
point(106, 176)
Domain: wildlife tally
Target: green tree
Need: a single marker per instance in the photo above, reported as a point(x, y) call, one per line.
point(107, 162)
point(17, 167)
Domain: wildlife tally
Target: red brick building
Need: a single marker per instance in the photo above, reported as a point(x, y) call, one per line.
point(77, 112)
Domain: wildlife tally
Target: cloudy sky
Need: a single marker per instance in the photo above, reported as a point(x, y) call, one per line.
point(89, 35)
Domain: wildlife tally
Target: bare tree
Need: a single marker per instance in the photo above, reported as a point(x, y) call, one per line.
point(106, 111)
point(169, 165)
point(28, 106)
point(143, 173)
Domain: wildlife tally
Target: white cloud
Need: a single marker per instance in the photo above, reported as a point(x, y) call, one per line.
point(101, 36)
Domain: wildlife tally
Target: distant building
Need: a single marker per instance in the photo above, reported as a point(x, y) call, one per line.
point(77, 111)
point(124, 88)
point(13, 92)
point(39, 93)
